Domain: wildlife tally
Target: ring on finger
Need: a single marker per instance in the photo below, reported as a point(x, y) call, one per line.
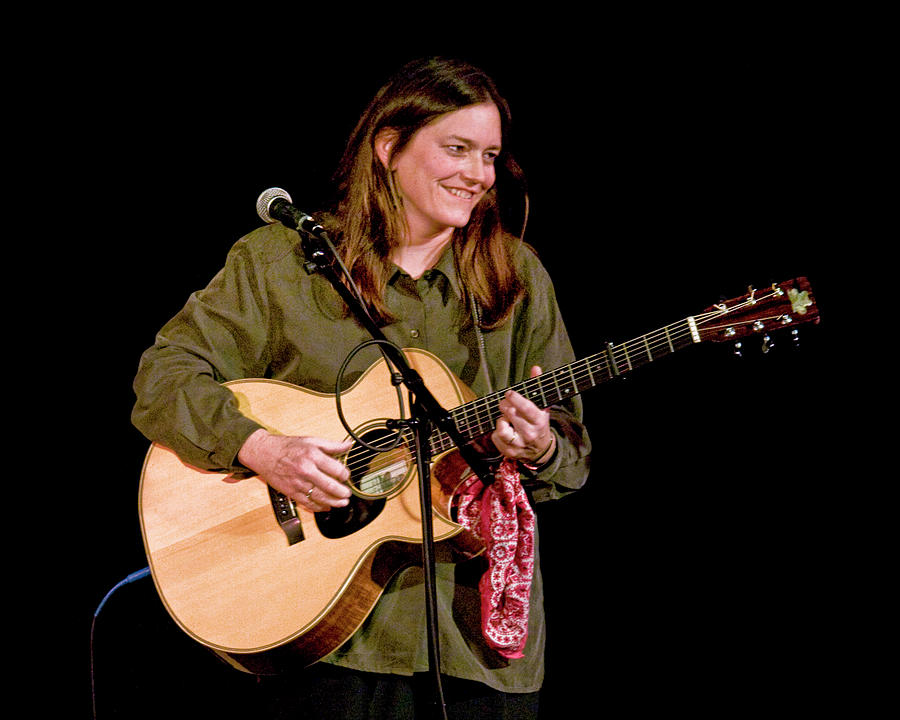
point(309, 492)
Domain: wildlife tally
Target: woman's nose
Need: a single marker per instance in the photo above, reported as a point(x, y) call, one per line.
point(476, 170)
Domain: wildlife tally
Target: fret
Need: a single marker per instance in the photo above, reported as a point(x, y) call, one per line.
point(462, 420)
point(565, 390)
point(531, 389)
point(584, 379)
point(488, 414)
point(470, 421)
point(598, 365)
point(439, 442)
point(575, 388)
point(669, 339)
point(647, 349)
point(627, 358)
point(640, 352)
point(556, 384)
point(540, 384)
point(593, 382)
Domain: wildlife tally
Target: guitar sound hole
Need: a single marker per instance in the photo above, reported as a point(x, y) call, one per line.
point(374, 478)
point(376, 474)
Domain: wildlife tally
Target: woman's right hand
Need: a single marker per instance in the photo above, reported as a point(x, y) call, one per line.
point(305, 469)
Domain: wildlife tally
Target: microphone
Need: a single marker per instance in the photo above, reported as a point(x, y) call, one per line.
point(274, 205)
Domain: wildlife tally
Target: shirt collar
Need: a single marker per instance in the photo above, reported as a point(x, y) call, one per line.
point(446, 265)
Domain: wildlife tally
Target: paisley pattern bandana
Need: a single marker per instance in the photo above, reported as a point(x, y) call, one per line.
point(501, 517)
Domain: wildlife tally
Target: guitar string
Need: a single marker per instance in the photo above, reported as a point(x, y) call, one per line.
point(477, 417)
point(468, 418)
point(473, 414)
point(579, 371)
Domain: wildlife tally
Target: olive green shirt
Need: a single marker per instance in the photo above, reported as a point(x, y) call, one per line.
point(263, 315)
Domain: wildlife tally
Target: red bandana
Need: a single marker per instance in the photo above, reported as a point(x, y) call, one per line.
point(501, 517)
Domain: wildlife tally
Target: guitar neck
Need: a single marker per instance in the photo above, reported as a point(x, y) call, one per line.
point(479, 417)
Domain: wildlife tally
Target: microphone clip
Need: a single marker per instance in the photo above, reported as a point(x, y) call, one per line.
point(274, 205)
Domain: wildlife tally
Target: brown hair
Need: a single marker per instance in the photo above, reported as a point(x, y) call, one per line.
point(367, 213)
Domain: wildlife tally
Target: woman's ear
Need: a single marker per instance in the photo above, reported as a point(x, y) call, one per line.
point(384, 144)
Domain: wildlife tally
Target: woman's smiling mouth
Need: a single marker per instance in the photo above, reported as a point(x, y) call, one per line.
point(462, 194)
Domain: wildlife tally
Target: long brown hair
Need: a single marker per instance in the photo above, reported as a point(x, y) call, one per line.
point(367, 215)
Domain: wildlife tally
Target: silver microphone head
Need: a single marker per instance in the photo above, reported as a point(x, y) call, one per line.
point(264, 201)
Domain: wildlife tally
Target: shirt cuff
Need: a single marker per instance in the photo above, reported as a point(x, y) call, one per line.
point(230, 445)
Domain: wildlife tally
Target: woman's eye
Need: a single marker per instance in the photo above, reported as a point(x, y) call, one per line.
point(489, 156)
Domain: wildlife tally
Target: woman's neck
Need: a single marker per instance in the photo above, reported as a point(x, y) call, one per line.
point(419, 255)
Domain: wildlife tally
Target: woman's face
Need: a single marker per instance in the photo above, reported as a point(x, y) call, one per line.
point(446, 169)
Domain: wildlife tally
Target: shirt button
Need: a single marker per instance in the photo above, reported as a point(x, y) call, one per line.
point(414, 333)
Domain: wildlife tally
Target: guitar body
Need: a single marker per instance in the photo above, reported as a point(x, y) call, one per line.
point(226, 571)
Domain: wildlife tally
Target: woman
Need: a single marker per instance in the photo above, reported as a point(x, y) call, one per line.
point(417, 221)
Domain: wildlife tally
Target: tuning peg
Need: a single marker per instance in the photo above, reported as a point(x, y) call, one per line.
point(738, 349)
point(767, 343)
point(795, 337)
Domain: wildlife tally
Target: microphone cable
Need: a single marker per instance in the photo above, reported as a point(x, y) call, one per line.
point(144, 572)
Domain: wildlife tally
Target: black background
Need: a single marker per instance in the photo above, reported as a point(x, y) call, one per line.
point(694, 571)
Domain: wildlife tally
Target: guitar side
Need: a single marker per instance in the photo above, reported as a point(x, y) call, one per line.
point(223, 566)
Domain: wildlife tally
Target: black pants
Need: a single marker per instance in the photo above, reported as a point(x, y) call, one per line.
point(324, 691)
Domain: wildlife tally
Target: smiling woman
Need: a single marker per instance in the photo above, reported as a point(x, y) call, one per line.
point(417, 219)
point(441, 174)
point(450, 116)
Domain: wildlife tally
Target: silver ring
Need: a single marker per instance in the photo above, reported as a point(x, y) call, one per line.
point(512, 438)
point(309, 492)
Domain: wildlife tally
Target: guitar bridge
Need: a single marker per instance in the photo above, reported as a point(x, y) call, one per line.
point(286, 515)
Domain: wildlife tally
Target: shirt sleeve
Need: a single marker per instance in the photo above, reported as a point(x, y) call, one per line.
point(219, 335)
point(544, 341)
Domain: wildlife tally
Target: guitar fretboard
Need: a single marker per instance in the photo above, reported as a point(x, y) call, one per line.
point(479, 417)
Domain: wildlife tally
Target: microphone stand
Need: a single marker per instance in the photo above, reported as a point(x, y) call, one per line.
point(426, 414)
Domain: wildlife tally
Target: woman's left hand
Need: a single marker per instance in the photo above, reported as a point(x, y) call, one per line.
point(523, 430)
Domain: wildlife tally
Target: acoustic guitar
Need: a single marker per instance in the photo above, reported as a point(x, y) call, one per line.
point(266, 584)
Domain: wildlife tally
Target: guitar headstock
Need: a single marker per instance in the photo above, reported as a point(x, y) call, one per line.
point(782, 305)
